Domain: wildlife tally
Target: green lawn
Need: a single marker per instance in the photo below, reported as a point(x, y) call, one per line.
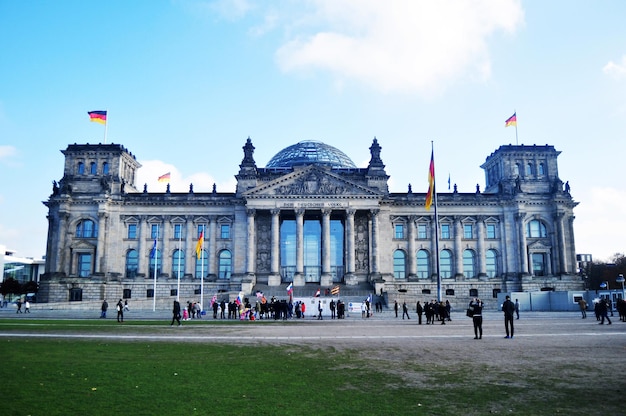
point(80, 377)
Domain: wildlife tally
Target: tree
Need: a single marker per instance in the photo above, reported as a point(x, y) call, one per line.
point(10, 286)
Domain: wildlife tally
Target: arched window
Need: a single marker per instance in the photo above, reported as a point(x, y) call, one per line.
point(491, 263)
point(225, 265)
point(469, 263)
point(132, 263)
point(423, 264)
point(156, 262)
point(536, 229)
point(542, 169)
point(202, 265)
point(105, 168)
point(86, 229)
point(529, 169)
point(445, 264)
point(399, 264)
point(178, 263)
point(81, 168)
point(93, 168)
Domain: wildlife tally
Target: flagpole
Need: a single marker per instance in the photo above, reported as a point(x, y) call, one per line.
point(180, 237)
point(106, 127)
point(516, 141)
point(156, 261)
point(202, 272)
point(439, 297)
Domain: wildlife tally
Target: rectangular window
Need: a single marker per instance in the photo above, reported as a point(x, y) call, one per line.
point(126, 294)
point(399, 234)
point(178, 231)
point(225, 231)
point(132, 231)
point(84, 264)
point(154, 231)
point(200, 229)
point(491, 231)
point(467, 231)
point(445, 231)
point(421, 231)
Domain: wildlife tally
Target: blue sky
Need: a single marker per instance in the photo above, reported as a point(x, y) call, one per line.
point(185, 82)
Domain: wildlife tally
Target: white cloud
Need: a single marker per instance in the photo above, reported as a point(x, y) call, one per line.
point(600, 223)
point(616, 70)
point(150, 171)
point(6, 152)
point(399, 45)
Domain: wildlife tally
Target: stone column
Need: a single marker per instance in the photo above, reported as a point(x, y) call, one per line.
point(64, 250)
point(211, 249)
point(143, 260)
point(298, 279)
point(523, 252)
point(326, 278)
point(101, 252)
point(166, 258)
point(458, 248)
point(434, 255)
point(375, 273)
point(480, 246)
point(190, 263)
point(251, 244)
point(350, 243)
point(412, 254)
point(274, 277)
point(559, 253)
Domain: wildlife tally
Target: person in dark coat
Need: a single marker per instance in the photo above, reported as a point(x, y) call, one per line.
point(419, 310)
point(176, 313)
point(508, 307)
point(103, 309)
point(476, 306)
point(120, 311)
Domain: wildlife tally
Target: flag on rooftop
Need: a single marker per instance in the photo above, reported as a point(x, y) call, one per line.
point(164, 177)
point(511, 121)
point(98, 116)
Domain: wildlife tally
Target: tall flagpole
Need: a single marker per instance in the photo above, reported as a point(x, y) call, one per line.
point(202, 271)
point(439, 295)
point(180, 237)
point(106, 127)
point(156, 261)
point(516, 141)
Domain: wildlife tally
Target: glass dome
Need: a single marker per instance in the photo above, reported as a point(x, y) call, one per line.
point(310, 152)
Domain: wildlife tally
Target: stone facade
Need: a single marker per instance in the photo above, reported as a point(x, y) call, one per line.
point(315, 224)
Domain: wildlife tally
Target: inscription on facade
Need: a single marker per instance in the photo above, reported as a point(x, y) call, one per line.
point(313, 205)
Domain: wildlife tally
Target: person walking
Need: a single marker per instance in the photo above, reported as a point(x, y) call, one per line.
point(27, 306)
point(516, 309)
point(508, 307)
point(419, 310)
point(395, 307)
point(603, 307)
point(103, 309)
point(126, 308)
point(19, 306)
point(582, 304)
point(476, 306)
point(319, 310)
point(405, 311)
point(120, 311)
point(333, 307)
point(176, 313)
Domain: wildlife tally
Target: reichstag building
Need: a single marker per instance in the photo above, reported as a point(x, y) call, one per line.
point(311, 218)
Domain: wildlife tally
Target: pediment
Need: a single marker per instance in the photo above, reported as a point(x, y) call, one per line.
point(310, 181)
point(83, 245)
point(538, 246)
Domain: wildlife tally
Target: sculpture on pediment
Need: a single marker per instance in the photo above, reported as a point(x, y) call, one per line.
point(313, 185)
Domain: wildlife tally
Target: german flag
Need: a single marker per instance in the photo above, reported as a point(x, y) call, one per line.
point(334, 291)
